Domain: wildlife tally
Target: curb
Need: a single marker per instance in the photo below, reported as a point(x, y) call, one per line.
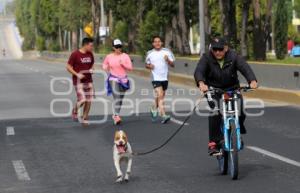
point(287, 96)
point(280, 95)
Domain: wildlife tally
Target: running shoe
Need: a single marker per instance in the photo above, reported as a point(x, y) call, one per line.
point(165, 119)
point(212, 148)
point(85, 122)
point(154, 114)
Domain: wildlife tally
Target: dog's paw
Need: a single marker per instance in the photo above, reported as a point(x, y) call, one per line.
point(119, 179)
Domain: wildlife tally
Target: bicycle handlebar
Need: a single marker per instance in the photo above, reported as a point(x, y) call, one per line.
point(243, 89)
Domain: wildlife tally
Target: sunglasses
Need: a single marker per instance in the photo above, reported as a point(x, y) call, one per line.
point(218, 49)
point(118, 46)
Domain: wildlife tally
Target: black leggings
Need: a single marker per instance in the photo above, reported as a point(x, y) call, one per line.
point(118, 93)
point(215, 122)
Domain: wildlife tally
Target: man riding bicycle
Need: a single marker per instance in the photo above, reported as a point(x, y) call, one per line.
point(218, 69)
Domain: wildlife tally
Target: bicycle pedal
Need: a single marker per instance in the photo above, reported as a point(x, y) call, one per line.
point(217, 154)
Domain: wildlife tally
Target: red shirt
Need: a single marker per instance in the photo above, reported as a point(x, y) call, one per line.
point(82, 63)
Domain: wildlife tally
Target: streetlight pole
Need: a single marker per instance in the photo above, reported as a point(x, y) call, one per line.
point(4, 7)
point(102, 13)
point(201, 27)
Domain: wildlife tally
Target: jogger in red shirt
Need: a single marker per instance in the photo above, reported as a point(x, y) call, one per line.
point(80, 65)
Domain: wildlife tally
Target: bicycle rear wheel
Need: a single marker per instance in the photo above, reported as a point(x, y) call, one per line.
point(233, 154)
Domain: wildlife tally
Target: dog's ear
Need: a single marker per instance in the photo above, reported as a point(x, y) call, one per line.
point(116, 134)
point(125, 135)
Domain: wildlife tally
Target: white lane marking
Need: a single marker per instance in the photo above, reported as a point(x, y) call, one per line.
point(51, 76)
point(176, 121)
point(10, 131)
point(20, 170)
point(274, 155)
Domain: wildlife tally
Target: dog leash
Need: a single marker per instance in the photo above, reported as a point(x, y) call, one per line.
point(170, 138)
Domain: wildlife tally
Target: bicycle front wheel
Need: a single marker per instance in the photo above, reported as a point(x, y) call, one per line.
point(233, 154)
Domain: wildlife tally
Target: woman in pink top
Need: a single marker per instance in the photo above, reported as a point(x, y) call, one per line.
point(117, 64)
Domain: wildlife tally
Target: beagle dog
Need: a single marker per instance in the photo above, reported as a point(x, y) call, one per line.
point(122, 152)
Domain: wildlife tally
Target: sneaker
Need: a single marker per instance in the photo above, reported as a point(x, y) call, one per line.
point(74, 115)
point(212, 148)
point(117, 119)
point(154, 114)
point(85, 122)
point(165, 119)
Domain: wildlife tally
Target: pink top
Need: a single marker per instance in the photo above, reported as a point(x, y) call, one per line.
point(117, 65)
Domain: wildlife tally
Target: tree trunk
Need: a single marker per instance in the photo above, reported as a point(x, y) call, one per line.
point(96, 21)
point(168, 37)
point(229, 21)
point(133, 27)
point(259, 46)
point(268, 22)
point(177, 41)
point(207, 24)
point(245, 16)
point(60, 38)
point(74, 40)
point(183, 29)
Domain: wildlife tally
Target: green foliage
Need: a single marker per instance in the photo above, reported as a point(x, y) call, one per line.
point(121, 31)
point(297, 7)
point(54, 46)
point(40, 43)
point(136, 21)
point(74, 14)
point(281, 29)
point(147, 30)
point(39, 20)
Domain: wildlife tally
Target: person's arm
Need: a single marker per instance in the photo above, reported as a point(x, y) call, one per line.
point(93, 65)
point(148, 64)
point(70, 69)
point(105, 64)
point(247, 72)
point(200, 73)
point(127, 64)
point(170, 59)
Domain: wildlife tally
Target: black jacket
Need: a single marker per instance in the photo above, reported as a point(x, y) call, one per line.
point(209, 70)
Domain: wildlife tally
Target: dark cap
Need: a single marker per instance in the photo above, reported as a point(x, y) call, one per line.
point(218, 43)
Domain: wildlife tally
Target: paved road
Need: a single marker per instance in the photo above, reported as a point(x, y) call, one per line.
point(44, 153)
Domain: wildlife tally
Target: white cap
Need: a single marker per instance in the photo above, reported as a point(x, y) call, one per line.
point(117, 42)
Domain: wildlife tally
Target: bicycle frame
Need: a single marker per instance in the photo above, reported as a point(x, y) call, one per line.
point(230, 113)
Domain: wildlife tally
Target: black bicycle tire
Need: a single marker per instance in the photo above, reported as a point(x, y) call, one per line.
point(223, 162)
point(234, 161)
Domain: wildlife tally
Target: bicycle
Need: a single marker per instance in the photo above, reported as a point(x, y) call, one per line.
point(232, 143)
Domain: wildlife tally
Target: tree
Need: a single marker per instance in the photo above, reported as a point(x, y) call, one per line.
point(131, 12)
point(228, 11)
point(96, 20)
point(281, 29)
point(183, 30)
point(24, 22)
point(72, 20)
point(243, 34)
point(261, 28)
point(147, 29)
